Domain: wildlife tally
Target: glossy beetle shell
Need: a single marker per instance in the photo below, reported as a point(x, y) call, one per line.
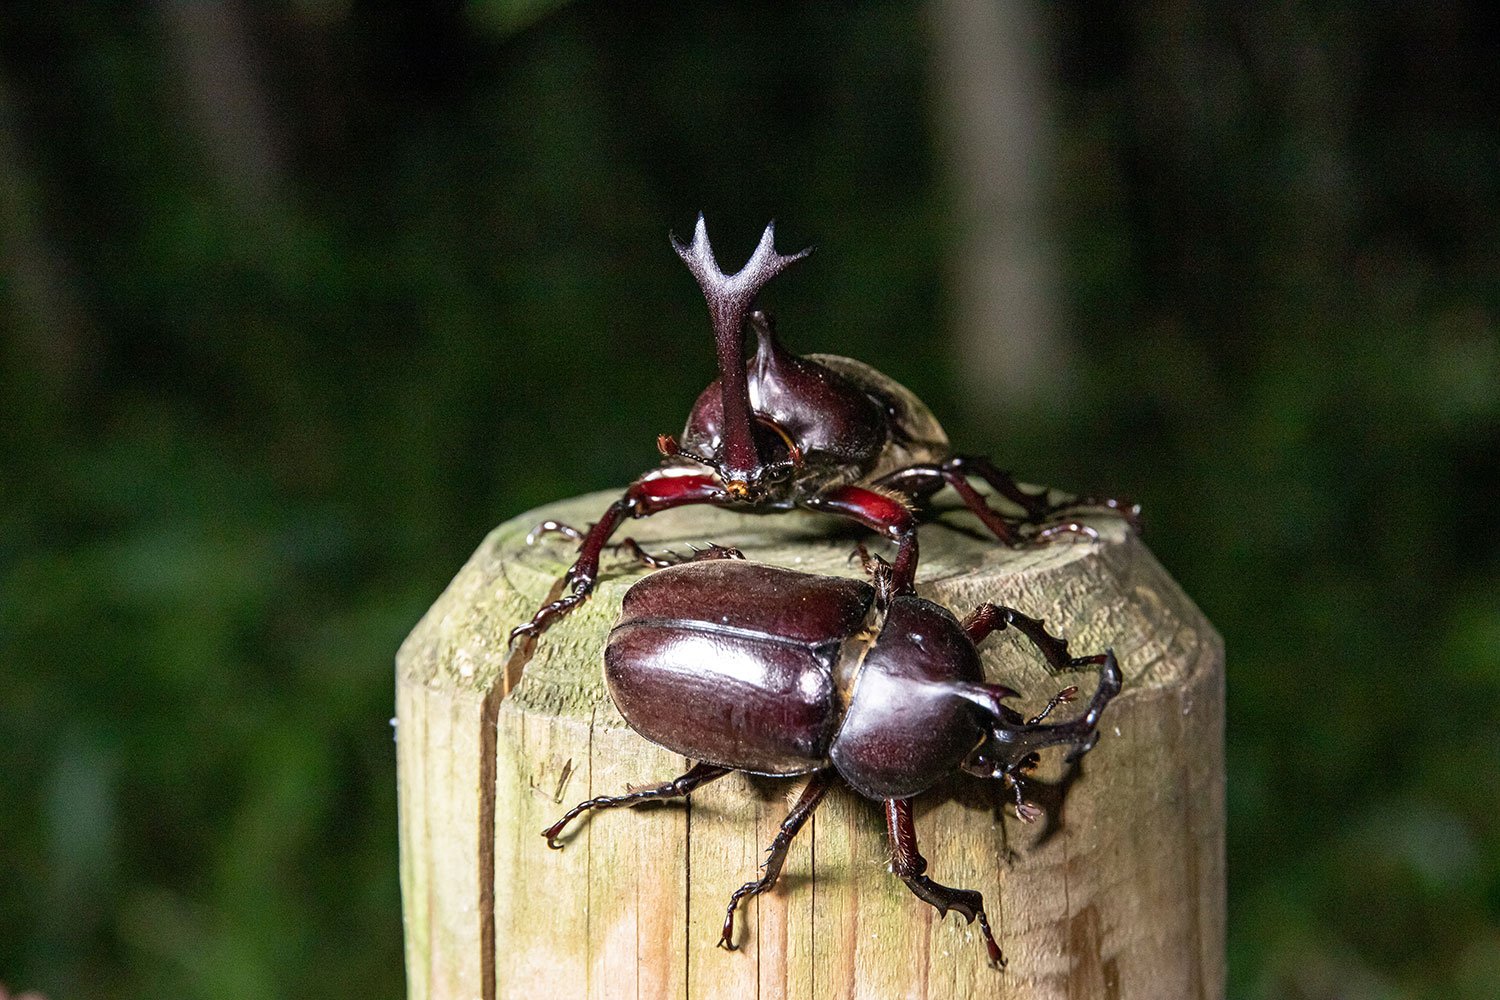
point(905, 728)
point(773, 671)
point(916, 436)
point(841, 413)
point(732, 662)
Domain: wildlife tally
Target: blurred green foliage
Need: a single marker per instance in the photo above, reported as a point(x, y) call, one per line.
point(265, 382)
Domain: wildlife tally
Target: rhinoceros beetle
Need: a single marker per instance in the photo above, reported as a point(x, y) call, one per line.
point(744, 666)
point(822, 432)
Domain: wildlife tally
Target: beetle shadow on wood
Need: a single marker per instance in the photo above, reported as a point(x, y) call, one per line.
point(989, 795)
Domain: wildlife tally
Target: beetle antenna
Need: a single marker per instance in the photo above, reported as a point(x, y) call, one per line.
point(730, 297)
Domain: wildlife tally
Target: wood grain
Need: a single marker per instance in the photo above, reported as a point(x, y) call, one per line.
point(1118, 893)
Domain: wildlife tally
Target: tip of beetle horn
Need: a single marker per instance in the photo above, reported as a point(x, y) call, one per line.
point(1110, 678)
point(700, 237)
point(768, 246)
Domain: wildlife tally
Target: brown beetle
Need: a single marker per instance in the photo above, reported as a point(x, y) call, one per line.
point(744, 666)
point(822, 432)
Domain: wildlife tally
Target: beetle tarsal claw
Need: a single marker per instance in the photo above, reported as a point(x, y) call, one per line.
point(551, 527)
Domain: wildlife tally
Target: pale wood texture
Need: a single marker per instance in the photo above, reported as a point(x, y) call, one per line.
point(1118, 894)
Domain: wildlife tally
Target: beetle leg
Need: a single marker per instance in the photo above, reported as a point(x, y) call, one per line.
point(1038, 506)
point(645, 497)
point(633, 548)
point(989, 618)
point(712, 551)
point(551, 527)
point(920, 482)
point(1062, 697)
point(1010, 530)
point(770, 869)
point(701, 774)
point(881, 511)
point(909, 866)
point(707, 553)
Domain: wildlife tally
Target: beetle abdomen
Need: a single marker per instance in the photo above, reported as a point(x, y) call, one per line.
point(731, 662)
point(750, 597)
point(727, 698)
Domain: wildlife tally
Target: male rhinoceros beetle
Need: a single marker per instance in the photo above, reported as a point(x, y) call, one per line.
point(822, 432)
point(743, 666)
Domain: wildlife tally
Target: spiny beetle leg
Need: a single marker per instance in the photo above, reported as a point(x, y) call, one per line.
point(551, 527)
point(770, 869)
point(909, 866)
point(633, 548)
point(989, 618)
point(1038, 506)
point(644, 497)
point(707, 553)
point(701, 774)
point(882, 512)
point(1062, 697)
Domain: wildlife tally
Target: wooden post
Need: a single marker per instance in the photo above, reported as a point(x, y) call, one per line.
point(1117, 894)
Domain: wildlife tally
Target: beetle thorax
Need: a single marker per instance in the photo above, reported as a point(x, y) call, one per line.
point(904, 726)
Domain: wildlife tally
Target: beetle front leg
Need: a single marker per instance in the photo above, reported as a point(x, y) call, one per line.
point(882, 512)
point(701, 774)
point(989, 618)
point(644, 497)
point(770, 869)
point(909, 866)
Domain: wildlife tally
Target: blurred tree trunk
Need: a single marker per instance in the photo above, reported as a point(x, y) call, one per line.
point(992, 97)
point(36, 298)
point(218, 58)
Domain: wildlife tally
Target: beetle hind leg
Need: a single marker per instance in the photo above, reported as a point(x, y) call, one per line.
point(770, 869)
point(701, 774)
point(910, 867)
point(1039, 507)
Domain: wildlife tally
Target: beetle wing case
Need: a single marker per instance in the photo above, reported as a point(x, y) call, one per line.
point(905, 726)
point(731, 662)
point(916, 435)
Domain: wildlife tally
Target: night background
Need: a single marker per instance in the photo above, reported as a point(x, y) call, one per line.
point(299, 299)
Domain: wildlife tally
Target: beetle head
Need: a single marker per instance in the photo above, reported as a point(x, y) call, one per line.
point(746, 457)
point(1011, 748)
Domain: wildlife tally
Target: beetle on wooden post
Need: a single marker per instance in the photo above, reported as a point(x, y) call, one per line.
point(1118, 891)
point(822, 432)
point(749, 667)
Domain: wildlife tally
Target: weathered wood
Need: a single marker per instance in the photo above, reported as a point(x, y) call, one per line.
point(1118, 894)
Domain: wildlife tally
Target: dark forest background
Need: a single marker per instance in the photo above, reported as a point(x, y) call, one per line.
point(298, 299)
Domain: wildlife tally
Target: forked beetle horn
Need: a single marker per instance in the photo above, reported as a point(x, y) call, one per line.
point(730, 297)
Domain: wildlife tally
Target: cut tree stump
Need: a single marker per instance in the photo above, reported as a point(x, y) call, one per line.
point(1117, 894)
